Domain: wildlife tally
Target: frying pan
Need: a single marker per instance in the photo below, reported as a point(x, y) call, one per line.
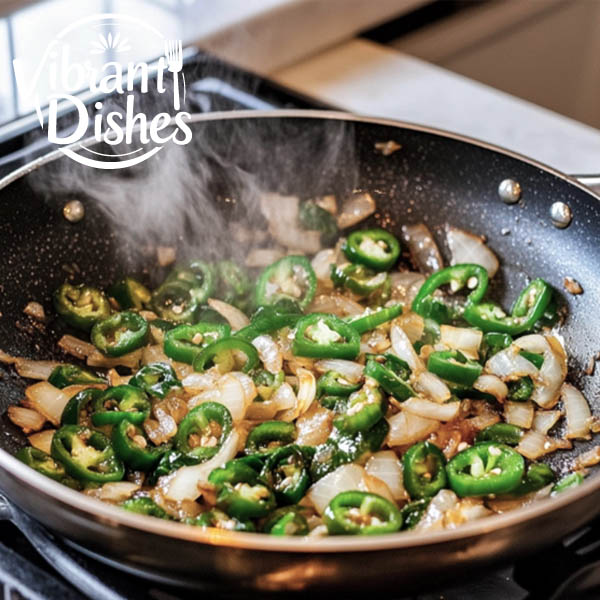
point(436, 178)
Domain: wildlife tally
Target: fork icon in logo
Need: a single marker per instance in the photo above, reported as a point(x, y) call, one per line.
point(174, 56)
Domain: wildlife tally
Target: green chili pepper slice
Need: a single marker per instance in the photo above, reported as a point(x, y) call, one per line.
point(185, 342)
point(453, 365)
point(203, 430)
point(177, 301)
point(233, 284)
point(170, 461)
point(413, 512)
point(315, 218)
point(486, 468)
point(156, 379)
point(424, 470)
point(570, 481)
point(363, 410)
point(132, 447)
point(221, 353)
point(291, 277)
point(87, 455)
point(287, 520)
point(361, 513)
point(267, 319)
point(493, 342)
point(391, 373)
point(120, 334)
point(536, 359)
point(375, 248)
point(266, 383)
point(270, 435)
point(527, 310)
point(376, 318)
point(338, 404)
point(501, 433)
point(218, 519)
point(335, 384)
point(65, 375)
point(537, 476)
point(286, 473)
point(145, 506)
point(81, 305)
point(130, 293)
point(240, 492)
point(359, 279)
point(458, 276)
point(196, 274)
point(122, 402)
point(79, 407)
point(46, 465)
point(321, 335)
point(520, 390)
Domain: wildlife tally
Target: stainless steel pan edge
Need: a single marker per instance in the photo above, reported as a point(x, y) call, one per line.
point(280, 563)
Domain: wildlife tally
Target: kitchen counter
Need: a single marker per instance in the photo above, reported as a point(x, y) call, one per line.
point(364, 77)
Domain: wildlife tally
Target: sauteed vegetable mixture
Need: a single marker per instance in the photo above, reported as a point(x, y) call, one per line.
point(335, 392)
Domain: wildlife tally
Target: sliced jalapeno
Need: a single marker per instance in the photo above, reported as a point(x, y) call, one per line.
point(221, 353)
point(363, 410)
point(424, 470)
point(130, 293)
point(122, 402)
point(145, 506)
point(359, 279)
point(156, 379)
point(454, 366)
point(218, 519)
point(65, 375)
point(134, 449)
point(391, 373)
point(78, 409)
point(290, 277)
point(270, 435)
point(501, 433)
point(288, 520)
point(46, 465)
point(375, 318)
point(335, 384)
point(286, 473)
point(185, 342)
point(325, 336)
point(120, 334)
point(81, 305)
point(375, 248)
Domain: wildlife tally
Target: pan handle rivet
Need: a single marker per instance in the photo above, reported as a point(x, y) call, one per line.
point(509, 191)
point(73, 211)
point(561, 215)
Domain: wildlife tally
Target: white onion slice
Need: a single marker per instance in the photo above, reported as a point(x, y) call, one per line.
point(423, 249)
point(356, 209)
point(374, 485)
point(131, 360)
point(589, 458)
point(408, 428)
point(234, 316)
point(198, 382)
point(535, 444)
point(490, 384)
point(509, 364)
point(263, 257)
point(432, 410)
point(233, 396)
point(578, 413)
point(434, 387)
point(406, 285)
point(42, 440)
point(403, 348)
point(465, 339)
point(154, 353)
point(519, 413)
point(183, 484)
point(468, 248)
point(345, 478)
point(386, 466)
point(26, 418)
point(76, 347)
point(433, 517)
point(47, 400)
point(35, 369)
point(336, 304)
point(321, 264)
point(545, 420)
point(248, 386)
point(268, 352)
point(307, 390)
point(350, 370)
point(116, 491)
point(314, 426)
point(413, 325)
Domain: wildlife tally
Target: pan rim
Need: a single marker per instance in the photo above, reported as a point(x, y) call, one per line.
point(115, 516)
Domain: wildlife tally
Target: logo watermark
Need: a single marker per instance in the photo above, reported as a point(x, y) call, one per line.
point(74, 69)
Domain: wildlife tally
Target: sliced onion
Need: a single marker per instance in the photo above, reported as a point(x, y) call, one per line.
point(343, 479)
point(423, 249)
point(406, 285)
point(545, 420)
point(233, 396)
point(413, 325)
point(321, 264)
point(509, 364)
point(589, 458)
point(35, 369)
point(356, 209)
point(519, 413)
point(154, 353)
point(26, 418)
point(502, 505)
point(183, 484)
point(282, 399)
point(386, 466)
point(490, 384)
point(47, 400)
point(577, 411)
point(314, 426)
point(403, 348)
point(76, 347)
point(198, 382)
point(432, 410)
point(348, 369)
point(433, 517)
point(468, 509)
point(247, 384)
point(433, 387)
point(234, 316)
point(328, 203)
point(336, 304)
point(307, 390)
point(535, 444)
point(281, 213)
point(374, 485)
point(131, 360)
point(408, 428)
point(468, 248)
point(116, 491)
point(263, 257)
point(552, 373)
point(465, 339)
point(268, 352)
point(42, 440)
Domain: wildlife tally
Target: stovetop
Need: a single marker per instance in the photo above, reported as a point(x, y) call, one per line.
point(36, 565)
